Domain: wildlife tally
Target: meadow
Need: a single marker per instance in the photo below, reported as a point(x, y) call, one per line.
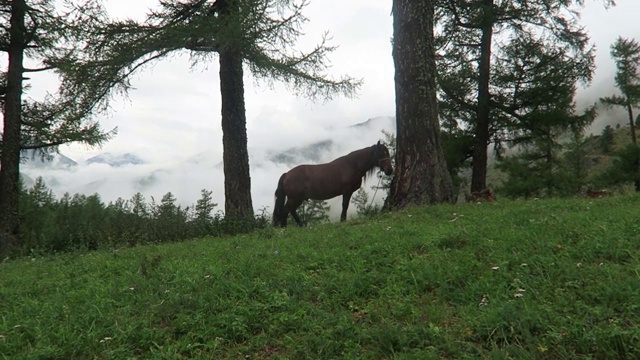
point(537, 279)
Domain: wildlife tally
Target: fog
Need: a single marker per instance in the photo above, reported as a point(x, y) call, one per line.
point(187, 174)
point(171, 119)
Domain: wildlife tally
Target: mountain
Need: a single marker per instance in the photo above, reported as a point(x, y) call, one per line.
point(304, 154)
point(33, 159)
point(377, 123)
point(314, 152)
point(116, 160)
point(27, 181)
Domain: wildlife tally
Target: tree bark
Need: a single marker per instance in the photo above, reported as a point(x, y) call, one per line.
point(10, 156)
point(482, 136)
point(235, 157)
point(634, 141)
point(421, 173)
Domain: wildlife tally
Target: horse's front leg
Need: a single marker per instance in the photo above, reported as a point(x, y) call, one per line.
point(346, 198)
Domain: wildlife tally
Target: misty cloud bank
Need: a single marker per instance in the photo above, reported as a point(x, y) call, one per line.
point(114, 175)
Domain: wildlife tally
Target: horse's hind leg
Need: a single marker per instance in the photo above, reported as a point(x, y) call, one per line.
point(292, 205)
point(283, 218)
point(295, 216)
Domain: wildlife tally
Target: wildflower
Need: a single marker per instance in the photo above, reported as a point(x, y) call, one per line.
point(519, 293)
point(484, 301)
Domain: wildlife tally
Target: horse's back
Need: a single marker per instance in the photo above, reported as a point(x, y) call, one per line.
point(320, 182)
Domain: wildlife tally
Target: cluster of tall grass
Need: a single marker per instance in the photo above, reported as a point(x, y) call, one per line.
point(85, 222)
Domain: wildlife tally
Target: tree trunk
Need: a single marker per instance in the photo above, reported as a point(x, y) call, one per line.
point(237, 179)
point(421, 173)
point(634, 141)
point(10, 156)
point(482, 136)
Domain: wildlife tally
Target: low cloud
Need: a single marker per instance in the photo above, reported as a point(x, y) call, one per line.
point(185, 176)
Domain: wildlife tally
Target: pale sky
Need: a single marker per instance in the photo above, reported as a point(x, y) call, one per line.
point(172, 117)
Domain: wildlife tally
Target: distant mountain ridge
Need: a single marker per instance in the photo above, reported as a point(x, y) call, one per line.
point(116, 160)
point(304, 154)
point(31, 158)
point(312, 153)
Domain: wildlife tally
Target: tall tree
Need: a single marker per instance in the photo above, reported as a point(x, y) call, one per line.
point(626, 54)
point(421, 173)
point(534, 92)
point(38, 31)
point(256, 34)
point(237, 185)
point(538, 167)
point(472, 38)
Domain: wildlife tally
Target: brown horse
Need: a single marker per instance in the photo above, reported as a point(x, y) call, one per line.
point(342, 176)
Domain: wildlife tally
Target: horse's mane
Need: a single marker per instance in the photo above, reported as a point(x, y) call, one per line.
point(372, 164)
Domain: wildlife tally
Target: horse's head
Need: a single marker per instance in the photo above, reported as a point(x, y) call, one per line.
point(382, 158)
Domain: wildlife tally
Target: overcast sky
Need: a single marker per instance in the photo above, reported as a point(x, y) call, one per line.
point(172, 117)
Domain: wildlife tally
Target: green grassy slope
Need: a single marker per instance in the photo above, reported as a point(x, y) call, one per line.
point(538, 279)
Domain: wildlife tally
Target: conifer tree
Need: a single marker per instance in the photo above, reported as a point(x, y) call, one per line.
point(626, 54)
point(421, 175)
point(258, 35)
point(486, 98)
point(45, 33)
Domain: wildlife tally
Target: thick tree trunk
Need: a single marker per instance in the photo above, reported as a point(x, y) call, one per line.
point(421, 173)
point(10, 158)
point(237, 179)
point(482, 136)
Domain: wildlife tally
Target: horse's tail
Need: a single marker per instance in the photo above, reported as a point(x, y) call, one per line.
point(279, 214)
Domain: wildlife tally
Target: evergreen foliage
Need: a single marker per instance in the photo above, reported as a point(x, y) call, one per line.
point(364, 207)
point(82, 222)
point(499, 64)
point(606, 139)
point(258, 34)
point(626, 54)
point(545, 165)
point(624, 168)
point(314, 212)
point(39, 36)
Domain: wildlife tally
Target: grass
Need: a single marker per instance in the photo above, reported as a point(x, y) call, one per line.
point(548, 279)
